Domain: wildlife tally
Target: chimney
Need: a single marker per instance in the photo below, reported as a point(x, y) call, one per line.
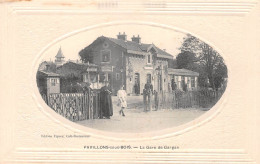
point(121, 36)
point(136, 39)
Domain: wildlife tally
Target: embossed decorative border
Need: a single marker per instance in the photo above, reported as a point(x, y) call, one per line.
point(199, 156)
point(200, 7)
point(36, 155)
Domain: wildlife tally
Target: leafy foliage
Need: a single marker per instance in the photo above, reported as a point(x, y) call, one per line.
point(87, 55)
point(198, 56)
point(185, 59)
point(69, 84)
point(220, 75)
point(49, 66)
point(172, 63)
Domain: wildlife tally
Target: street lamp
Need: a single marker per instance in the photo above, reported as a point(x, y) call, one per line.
point(159, 73)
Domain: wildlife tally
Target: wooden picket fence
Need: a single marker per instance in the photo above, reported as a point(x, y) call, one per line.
point(75, 106)
point(180, 99)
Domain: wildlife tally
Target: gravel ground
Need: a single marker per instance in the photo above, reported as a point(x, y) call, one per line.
point(136, 120)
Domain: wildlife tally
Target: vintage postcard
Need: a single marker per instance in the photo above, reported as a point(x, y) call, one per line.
point(130, 81)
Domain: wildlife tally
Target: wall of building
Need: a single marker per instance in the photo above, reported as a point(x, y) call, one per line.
point(50, 87)
point(116, 61)
point(178, 79)
point(122, 61)
point(163, 65)
point(139, 65)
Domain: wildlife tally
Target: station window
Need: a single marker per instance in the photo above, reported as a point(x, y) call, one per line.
point(192, 81)
point(105, 54)
point(53, 82)
point(149, 59)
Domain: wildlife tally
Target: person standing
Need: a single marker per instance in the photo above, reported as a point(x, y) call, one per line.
point(184, 86)
point(86, 88)
point(174, 86)
point(106, 102)
point(121, 94)
point(148, 88)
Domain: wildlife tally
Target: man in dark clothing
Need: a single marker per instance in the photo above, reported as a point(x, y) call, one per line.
point(148, 90)
point(148, 87)
point(106, 102)
point(174, 86)
point(184, 86)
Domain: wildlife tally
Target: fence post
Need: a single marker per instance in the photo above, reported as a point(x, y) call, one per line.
point(91, 105)
point(145, 100)
point(156, 100)
point(48, 99)
point(98, 106)
point(96, 109)
point(149, 101)
point(86, 106)
point(78, 106)
point(84, 111)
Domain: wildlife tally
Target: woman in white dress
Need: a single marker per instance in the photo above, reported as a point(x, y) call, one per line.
point(121, 94)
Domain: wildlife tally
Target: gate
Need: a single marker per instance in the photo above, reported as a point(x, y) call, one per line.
point(75, 106)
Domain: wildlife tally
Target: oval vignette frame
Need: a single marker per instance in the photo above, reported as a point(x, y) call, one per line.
point(159, 134)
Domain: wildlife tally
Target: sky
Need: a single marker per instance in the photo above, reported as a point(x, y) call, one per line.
point(163, 38)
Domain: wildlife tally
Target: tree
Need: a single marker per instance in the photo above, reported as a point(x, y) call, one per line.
point(185, 59)
point(172, 63)
point(191, 44)
point(69, 83)
point(210, 62)
point(220, 75)
point(52, 67)
point(48, 66)
point(87, 55)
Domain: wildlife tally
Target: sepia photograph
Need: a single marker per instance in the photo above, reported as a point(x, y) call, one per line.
point(132, 80)
point(101, 81)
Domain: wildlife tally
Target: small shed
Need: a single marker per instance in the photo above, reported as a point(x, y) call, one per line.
point(183, 77)
point(48, 82)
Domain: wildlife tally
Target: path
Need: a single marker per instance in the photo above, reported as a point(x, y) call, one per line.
point(138, 121)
